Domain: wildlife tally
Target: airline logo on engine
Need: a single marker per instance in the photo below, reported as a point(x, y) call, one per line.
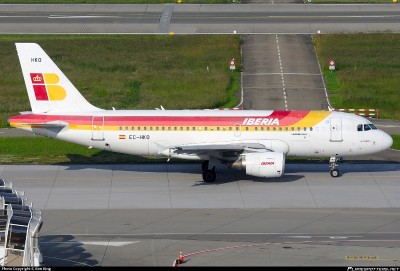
point(267, 163)
point(260, 121)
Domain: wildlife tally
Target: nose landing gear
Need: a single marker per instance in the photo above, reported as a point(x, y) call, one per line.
point(333, 166)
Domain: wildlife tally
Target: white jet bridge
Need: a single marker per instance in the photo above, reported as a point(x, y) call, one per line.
point(19, 228)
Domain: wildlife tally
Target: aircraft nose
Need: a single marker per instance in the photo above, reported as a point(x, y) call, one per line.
point(387, 141)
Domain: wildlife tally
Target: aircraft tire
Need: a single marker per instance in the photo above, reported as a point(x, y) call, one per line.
point(335, 173)
point(209, 176)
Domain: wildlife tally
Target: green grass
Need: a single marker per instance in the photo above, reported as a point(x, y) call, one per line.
point(131, 71)
point(396, 142)
point(120, 1)
point(348, 1)
point(35, 150)
point(367, 71)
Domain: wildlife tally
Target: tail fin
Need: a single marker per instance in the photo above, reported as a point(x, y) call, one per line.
point(49, 90)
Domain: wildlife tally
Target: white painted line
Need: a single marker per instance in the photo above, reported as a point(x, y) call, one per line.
point(67, 260)
point(110, 243)
point(285, 73)
point(79, 17)
point(97, 243)
point(281, 68)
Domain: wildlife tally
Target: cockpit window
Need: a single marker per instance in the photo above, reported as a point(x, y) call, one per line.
point(366, 127)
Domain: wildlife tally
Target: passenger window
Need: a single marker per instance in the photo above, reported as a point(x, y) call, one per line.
point(311, 129)
point(256, 128)
point(366, 127)
point(359, 127)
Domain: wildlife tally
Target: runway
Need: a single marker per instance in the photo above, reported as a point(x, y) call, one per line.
point(198, 18)
point(141, 215)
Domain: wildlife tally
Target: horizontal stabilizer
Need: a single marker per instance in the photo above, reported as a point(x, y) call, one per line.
point(50, 124)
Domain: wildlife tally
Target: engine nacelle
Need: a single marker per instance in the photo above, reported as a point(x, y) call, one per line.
point(262, 164)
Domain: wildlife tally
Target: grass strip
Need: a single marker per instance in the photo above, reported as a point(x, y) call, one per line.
point(367, 71)
point(117, 1)
point(396, 142)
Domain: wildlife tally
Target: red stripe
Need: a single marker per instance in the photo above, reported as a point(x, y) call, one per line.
point(286, 118)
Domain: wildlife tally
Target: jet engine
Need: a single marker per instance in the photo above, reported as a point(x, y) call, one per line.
point(261, 164)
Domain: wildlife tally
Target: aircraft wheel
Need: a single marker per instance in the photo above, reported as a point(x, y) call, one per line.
point(335, 173)
point(209, 176)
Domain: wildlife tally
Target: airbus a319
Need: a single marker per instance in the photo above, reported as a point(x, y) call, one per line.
point(257, 141)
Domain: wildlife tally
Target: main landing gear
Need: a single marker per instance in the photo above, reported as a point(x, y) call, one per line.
point(209, 175)
point(333, 166)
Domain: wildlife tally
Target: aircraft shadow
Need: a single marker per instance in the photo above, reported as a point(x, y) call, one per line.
point(64, 250)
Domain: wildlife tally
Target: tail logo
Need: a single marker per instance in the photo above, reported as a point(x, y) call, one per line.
point(46, 88)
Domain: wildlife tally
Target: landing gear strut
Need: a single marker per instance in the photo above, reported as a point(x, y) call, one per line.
point(209, 175)
point(333, 166)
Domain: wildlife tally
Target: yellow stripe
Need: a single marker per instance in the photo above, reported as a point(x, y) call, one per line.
point(312, 119)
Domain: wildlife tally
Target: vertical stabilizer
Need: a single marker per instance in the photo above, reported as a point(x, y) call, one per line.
point(49, 90)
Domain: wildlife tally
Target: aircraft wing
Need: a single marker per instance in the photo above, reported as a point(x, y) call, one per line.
point(221, 147)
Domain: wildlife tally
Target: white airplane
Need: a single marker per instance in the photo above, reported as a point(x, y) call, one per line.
point(257, 141)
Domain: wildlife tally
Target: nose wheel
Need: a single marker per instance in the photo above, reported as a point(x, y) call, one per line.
point(333, 166)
